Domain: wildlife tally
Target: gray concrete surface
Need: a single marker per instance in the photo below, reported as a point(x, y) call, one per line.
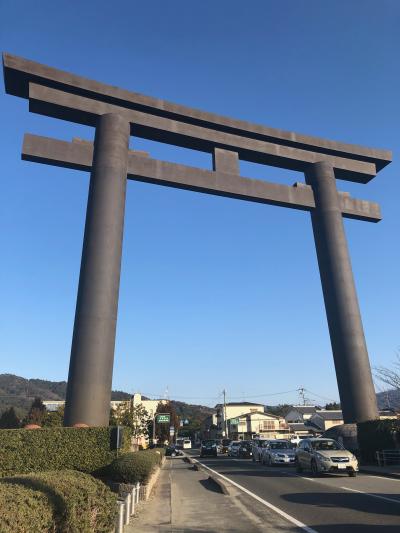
point(93, 342)
point(185, 500)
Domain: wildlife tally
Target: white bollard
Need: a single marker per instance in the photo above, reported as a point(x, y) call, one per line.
point(133, 501)
point(137, 492)
point(119, 525)
point(127, 514)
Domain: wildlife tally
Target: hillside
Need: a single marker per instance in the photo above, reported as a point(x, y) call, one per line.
point(389, 399)
point(19, 392)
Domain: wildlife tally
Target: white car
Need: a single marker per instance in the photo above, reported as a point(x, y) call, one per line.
point(325, 455)
point(233, 448)
point(258, 445)
point(278, 452)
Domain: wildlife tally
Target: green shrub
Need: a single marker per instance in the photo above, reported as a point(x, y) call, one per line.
point(62, 501)
point(84, 449)
point(377, 435)
point(133, 467)
point(24, 509)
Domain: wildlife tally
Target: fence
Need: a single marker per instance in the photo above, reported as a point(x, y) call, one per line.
point(388, 457)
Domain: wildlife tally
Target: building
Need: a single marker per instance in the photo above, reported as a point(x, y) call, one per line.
point(257, 424)
point(325, 419)
point(300, 413)
point(233, 410)
point(53, 405)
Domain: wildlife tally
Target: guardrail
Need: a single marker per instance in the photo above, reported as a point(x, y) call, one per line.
point(388, 457)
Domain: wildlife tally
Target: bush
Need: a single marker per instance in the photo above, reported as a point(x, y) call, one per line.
point(62, 501)
point(133, 467)
point(377, 435)
point(84, 449)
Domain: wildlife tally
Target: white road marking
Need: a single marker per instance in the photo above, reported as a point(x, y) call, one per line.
point(288, 517)
point(372, 495)
point(381, 477)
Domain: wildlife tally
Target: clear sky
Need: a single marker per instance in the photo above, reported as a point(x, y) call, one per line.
point(215, 293)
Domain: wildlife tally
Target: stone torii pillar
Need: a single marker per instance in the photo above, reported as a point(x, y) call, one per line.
point(93, 342)
point(356, 389)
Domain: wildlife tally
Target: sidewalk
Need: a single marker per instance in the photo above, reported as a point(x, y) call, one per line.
point(185, 500)
point(388, 471)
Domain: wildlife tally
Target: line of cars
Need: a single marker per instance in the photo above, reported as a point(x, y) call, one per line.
point(320, 455)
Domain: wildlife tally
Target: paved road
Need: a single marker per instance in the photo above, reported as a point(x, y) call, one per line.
point(328, 504)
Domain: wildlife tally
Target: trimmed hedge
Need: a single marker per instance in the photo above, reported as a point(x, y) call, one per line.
point(377, 435)
point(56, 501)
point(133, 467)
point(84, 449)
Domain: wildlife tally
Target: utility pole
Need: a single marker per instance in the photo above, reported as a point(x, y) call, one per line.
point(225, 421)
point(302, 395)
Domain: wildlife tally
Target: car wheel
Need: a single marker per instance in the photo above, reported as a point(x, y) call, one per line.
point(314, 468)
point(352, 473)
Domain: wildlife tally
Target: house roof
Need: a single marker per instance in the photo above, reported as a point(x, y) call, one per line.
point(329, 415)
point(258, 413)
point(298, 426)
point(304, 409)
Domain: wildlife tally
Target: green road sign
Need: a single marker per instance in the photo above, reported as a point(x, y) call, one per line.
point(163, 418)
point(234, 421)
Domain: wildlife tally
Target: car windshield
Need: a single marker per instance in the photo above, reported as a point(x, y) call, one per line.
point(208, 442)
point(226, 442)
point(280, 446)
point(326, 445)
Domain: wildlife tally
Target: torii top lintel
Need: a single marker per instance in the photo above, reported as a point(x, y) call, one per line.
point(67, 96)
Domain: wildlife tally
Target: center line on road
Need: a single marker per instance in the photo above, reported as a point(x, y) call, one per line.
point(372, 495)
point(288, 517)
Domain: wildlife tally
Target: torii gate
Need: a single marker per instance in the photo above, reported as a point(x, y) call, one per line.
point(116, 114)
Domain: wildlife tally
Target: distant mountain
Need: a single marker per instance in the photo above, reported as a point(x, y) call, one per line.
point(19, 392)
point(389, 399)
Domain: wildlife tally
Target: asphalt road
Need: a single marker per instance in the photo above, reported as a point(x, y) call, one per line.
point(327, 504)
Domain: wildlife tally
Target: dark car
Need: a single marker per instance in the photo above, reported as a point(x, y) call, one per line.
point(172, 451)
point(245, 450)
point(224, 445)
point(208, 447)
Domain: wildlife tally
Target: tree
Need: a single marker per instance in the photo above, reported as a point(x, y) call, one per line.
point(133, 416)
point(390, 376)
point(162, 430)
point(37, 413)
point(334, 406)
point(9, 419)
point(54, 418)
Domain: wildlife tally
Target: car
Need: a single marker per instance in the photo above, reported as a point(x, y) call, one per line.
point(245, 449)
point(278, 451)
point(322, 455)
point(233, 448)
point(172, 451)
point(208, 447)
point(257, 446)
point(224, 445)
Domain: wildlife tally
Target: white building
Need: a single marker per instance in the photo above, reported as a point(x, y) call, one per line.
point(233, 410)
point(257, 424)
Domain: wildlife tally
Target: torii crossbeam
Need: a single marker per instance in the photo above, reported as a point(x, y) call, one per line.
point(116, 114)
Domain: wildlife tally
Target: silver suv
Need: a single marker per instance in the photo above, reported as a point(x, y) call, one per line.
point(278, 452)
point(323, 456)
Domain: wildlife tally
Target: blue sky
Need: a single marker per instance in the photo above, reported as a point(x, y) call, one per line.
point(215, 293)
